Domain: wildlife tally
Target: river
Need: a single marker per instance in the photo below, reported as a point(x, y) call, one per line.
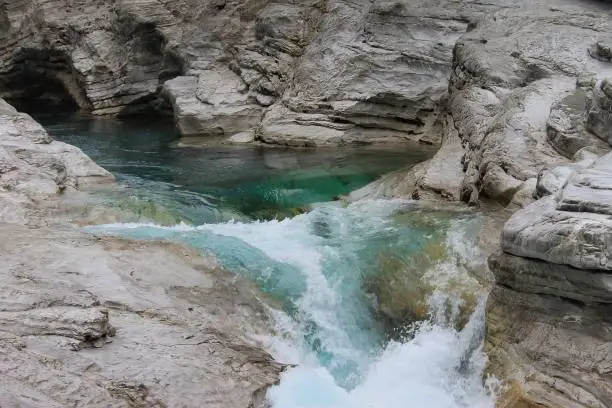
point(333, 270)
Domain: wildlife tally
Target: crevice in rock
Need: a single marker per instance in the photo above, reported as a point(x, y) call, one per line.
point(42, 80)
point(573, 302)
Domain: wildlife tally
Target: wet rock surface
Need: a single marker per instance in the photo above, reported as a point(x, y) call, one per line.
point(524, 116)
point(104, 322)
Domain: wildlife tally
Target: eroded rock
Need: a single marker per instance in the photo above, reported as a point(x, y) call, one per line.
point(566, 125)
point(549, 325)
point(599, 116)
point(346, 71)
point(34, 168)
point(178, 330)
point(104, 322)
point(572, 227)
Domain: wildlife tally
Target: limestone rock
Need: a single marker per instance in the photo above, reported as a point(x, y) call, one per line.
point(35, 169)
point(363, 78)
point(242, 137)
point(599, 117)
point(439, 176)
point(525, 195)
point(513, 96)
point(553, 352)
point(498, 184)
point(347, 71)
point(105, 322)
point(534, 276)
point(566, 125)
point(548, 315)
point(572, 227)
point(211, 104)
point(528, 77)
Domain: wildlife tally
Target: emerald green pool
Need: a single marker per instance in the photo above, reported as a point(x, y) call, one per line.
point(220, 182)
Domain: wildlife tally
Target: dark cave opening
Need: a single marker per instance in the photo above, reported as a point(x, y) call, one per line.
point(39, 93)
point(39, 81)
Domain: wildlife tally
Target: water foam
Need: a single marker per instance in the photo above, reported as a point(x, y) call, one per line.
point(428, 371)
point(343, 359)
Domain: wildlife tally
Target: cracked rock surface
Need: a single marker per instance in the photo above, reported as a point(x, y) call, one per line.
point(297, 73)
point(103, 322)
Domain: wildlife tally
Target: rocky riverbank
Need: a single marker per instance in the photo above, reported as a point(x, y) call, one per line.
point(296, 73)
point(527, 127)
point(549, 313)
point(515, 91)
point(104, 322)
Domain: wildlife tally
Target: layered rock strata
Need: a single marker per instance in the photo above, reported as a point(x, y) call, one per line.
point(525, 116)
point(550, 325)
point(527, 91)
point(295, 73)
point(527, 124)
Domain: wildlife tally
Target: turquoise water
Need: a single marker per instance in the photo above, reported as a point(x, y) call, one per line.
point(315, 264)
point(219, 182)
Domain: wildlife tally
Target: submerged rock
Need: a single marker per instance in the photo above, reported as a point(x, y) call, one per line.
point(434, 281)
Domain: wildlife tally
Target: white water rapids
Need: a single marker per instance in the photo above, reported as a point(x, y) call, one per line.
point(316, 263)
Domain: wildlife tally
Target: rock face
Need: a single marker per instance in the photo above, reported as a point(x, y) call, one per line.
point(527, 118)
point(524, 94)
point(549, 315)
point(104, 322)
point(112, 323)
point(295, 73)
point(528, 99)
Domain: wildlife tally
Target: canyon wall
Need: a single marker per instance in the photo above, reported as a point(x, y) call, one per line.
point(514, 91)
point(526, 127)
point(288, 72)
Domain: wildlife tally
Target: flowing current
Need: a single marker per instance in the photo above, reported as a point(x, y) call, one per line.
point(332, 271)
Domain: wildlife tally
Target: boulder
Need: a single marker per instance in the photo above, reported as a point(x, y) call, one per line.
point(211, 104)
point(565, 127)
point(599, 116)
point(573, 226)
point(35, 169)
